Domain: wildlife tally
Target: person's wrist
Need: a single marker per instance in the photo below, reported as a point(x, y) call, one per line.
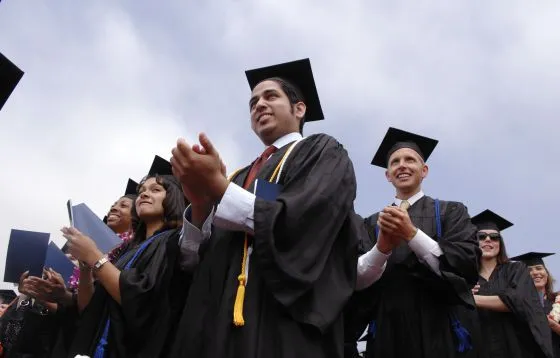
point(383, 247)
point(411, 233)
point(94, 258)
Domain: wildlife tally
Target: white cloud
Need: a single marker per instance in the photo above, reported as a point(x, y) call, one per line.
point(107, 86)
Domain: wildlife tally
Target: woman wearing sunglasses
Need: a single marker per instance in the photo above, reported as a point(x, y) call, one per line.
point(512, 318)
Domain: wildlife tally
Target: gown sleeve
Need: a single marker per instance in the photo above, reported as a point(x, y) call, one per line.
point(461, 252)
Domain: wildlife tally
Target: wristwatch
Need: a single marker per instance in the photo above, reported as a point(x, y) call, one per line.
point(100, 262)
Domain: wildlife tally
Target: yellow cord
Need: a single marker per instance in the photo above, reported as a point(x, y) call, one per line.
point(238, 319)
point(240, 297)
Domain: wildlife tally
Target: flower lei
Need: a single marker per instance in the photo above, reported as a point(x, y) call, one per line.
point(74, 280)
point(555, 312)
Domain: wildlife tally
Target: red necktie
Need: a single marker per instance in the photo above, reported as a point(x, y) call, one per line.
point(257, 164)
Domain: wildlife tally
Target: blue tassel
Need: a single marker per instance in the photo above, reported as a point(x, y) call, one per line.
point(463, 336)
point(372, 329)
point(100, 348)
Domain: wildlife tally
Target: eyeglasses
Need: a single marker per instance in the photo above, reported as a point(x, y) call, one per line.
point(481, 236)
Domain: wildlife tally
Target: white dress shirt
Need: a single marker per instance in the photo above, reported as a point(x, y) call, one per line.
point(235, 212)
point(371, 265)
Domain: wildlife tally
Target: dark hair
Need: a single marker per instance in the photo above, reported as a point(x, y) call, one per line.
point(174, 206)
point(548, 288)
point(293, 93)
point(502, 254)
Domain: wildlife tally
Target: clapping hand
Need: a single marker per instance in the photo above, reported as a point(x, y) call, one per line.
point(200, 171)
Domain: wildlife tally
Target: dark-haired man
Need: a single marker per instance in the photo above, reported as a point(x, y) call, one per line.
point(281, 261)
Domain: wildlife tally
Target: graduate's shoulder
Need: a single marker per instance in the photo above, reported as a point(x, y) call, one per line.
point(516, 266)
point(322, 140)
point(450, 205)
point(170, 235)
point(512, 270)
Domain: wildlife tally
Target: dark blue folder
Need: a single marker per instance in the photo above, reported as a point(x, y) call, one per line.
point(57, 260)
point(266, 190)
point(27, 251)
point(89, 224)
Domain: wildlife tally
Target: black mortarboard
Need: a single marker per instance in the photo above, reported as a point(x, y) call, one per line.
point(396, 139)
point(160, 166)
point(488, 220)
point(532, 258)
point(10, 75)
point(7, 296)
point(297, 73)
point(131, 187)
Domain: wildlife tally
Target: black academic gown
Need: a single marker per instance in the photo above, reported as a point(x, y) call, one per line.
point(152, 291)
point(555, 337)
point(523, 332)
point(27, 331)
point(301, 273)
point(412, 306)
point(67, 318)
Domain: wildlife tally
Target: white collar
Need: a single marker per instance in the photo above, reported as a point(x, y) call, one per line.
point(412, 199)
point(287, 139)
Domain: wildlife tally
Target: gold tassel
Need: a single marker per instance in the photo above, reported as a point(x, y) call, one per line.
point(238, 320)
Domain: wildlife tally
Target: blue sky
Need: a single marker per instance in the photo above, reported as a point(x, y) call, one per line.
point(109, 84)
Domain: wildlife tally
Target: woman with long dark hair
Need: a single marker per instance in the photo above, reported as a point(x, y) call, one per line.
point(135, 301)
point(544, 283)
point(512, 319)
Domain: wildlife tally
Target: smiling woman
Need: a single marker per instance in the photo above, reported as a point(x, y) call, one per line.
point(122, 304)
point(544, 283)
point(119, 219)
point(119, 216)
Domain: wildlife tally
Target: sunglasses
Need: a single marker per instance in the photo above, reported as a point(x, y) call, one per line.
point(481, 236)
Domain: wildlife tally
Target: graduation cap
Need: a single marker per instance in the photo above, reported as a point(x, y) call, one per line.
point(396, 139)
point(10, 75)
point(131, 187)
point(532, 258)
point(7, 296)
point(488, 220)
point(160, 166)
point(297, 73)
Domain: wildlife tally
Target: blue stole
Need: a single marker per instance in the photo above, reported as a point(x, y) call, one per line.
point(104, 339)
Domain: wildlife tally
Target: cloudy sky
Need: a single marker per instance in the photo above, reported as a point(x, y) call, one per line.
point(109, 84)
